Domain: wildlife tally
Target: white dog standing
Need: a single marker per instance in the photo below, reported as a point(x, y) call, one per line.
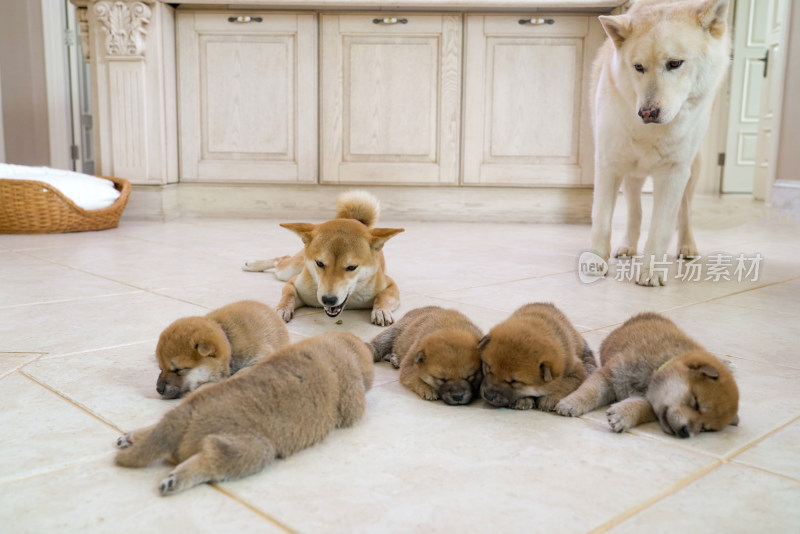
point(653, 87)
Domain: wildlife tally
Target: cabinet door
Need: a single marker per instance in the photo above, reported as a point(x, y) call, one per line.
point(390, 98)
point(248, 90)
point(526, 116)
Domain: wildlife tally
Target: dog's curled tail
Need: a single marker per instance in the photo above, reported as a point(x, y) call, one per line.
point(358, 205)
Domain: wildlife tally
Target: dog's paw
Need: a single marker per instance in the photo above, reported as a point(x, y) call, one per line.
point(124, 441)
point(382, 317)
point(256, 266)
point(525, 403)
point(547, 403)
point(286, 313)
point(625, 251)
point(394, 359)
point(428, 394)
point(688, 251)
point(616, 419)
point(569, 408)
point(170, 485)
point(649, 278)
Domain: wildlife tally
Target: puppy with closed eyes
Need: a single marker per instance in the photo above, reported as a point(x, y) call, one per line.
point(533, 359)
point(436, 350)
point(652, 371)
point(194, 351)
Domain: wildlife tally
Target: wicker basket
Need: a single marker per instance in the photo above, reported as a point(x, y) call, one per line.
point(31, 207)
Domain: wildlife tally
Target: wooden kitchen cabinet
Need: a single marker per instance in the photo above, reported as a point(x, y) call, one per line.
point(248, 96)
point(390, 98)
point(526, 115)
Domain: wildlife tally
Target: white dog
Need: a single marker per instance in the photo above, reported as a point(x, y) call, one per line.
point(653, 88)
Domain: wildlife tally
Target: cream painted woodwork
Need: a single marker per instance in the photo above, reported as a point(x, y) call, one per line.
point(390, 98)
point(248, 96)
point(526, 117)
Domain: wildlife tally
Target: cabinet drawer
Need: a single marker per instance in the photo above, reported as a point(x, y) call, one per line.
point(526, 119)
point(390, 98)
point(248, 97)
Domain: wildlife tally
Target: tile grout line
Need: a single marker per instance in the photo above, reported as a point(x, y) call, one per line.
point(650, 502)
point(730, 457)
point(253, 509)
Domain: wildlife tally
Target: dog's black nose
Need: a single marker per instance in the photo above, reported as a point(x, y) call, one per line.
point(160, 387)
point(684, 431)
point(329, 300)
point(649, 113)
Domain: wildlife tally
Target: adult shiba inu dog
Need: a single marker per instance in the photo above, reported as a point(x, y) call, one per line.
point(653, 87)
point(533, 359)
point(281, 405)
point(341, 264)
point(655, 372)
point(437, 352)
point(194, 351)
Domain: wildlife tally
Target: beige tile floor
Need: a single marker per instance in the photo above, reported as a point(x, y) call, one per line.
point(80, 315)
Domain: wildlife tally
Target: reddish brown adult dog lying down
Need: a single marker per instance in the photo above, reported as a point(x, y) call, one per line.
point(437, 353)
point(194, 351)
point(653, 371)
point(341, 264)
point(533, 359)
point(279, 406)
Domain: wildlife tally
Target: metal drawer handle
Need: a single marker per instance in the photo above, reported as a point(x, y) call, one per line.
point(537, 21)
point(389, 20)
point(244, 19)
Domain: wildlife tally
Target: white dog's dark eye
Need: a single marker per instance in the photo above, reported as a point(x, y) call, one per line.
point(639, 67)
point(320, 264)
point(351, 268)
point(674, 64)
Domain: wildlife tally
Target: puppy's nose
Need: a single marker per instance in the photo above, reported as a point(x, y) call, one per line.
point(649, 113)
point(329, 300)
point(160, 387)
point(684, 431)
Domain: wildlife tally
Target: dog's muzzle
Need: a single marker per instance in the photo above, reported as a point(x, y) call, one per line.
point(649, 114)
point(327, 305)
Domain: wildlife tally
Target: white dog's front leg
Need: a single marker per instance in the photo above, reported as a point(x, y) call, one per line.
point(633, 199)
point(606, 186)
point(687, 248)
point(668, 190)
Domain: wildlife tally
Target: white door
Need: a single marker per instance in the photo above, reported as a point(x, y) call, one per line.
point(771, 97)
point(747, 78)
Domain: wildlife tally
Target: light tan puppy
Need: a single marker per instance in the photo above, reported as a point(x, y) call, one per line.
point(653, 371)
point(283, 404)
point(194, 351)
point(342, 263)
point(437, 353)
point(533, 359)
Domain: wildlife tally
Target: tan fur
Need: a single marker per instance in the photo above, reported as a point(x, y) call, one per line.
point(533, 359)
point(653, 371)
point(437, 353)
point(279, 406)
point(341, 264)
point(653, 87)
point(194, 351)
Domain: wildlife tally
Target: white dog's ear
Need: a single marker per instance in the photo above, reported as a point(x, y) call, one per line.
point(304, 230)
point(712, 15)
point(617, 27)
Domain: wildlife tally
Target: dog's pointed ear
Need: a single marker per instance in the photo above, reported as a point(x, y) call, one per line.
point(204, 349)
point(483, 342)
point(420, 357)
point(735, 421)
point(712, 15)
point(304, 230)
point(381, 235)
point(546, 371)
point(706, 370)
point(617, 27)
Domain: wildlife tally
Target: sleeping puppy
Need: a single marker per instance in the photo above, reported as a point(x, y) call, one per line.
point(194, 351)
point(437, 353)
point(653, 371)
point(281, 405)
point(533, 359)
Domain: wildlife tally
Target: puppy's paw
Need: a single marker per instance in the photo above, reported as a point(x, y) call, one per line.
point(650, 278)
point(124, 441)
point(382, 317)
point(394, 359)
point(525, 403)
point(170, 485)
point(569, 408)
point(625, 251)
point(286, 313)
point(616, 418)
point(256, 266)
point(547, 403)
